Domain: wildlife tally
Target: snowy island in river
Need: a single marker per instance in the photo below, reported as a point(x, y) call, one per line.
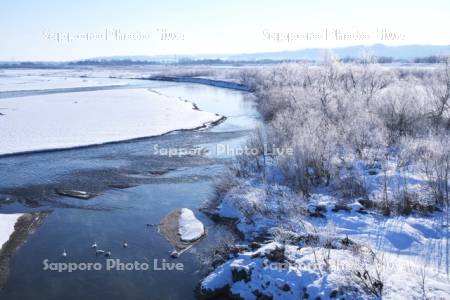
point(66, 120)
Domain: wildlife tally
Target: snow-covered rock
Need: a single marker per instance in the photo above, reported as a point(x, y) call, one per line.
point(190, 228)
point(182, 229)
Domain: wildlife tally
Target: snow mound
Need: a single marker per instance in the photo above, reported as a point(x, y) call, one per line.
point(190, 228)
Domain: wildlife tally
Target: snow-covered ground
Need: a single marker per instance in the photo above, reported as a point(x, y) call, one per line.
point(67, 120)
point(326, 243)
point(7, 222)
point(190, 228)
point(289, 272)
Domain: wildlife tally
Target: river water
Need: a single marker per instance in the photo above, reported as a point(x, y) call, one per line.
point(158, 184)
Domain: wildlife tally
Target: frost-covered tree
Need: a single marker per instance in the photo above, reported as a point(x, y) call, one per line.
point(333, 114)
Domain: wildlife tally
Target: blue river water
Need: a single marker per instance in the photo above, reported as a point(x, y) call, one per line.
point(157, 185)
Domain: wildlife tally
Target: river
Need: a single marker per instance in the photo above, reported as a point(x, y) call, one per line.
point(158, 184)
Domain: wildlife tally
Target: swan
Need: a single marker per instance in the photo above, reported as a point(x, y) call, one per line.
point(108, 253)
point(94, 245)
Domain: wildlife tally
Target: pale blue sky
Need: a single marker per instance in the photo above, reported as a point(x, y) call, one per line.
point(209, 26)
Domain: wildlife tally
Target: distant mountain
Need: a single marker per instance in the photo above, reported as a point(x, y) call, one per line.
point(386, 54)
point(407, 52)
point(397, 52)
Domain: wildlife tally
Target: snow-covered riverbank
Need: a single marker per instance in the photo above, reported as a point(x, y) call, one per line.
point(68, 120)
point(317, 248)
point(359, 209)
point(207, 81)
point(7, 222)
point(14, 232)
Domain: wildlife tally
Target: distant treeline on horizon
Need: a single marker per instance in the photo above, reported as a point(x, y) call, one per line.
point(187, 61)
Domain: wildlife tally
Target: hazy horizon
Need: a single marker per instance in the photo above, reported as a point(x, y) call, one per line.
point(50, 31)
point(249, 56)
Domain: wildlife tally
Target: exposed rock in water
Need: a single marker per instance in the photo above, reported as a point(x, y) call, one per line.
point(76, 194)
point(175, 254)
point(216, 293)
point(161, 171)
point(170, 229)
point(24, 227)
point(121, 185)
point(158, 172)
